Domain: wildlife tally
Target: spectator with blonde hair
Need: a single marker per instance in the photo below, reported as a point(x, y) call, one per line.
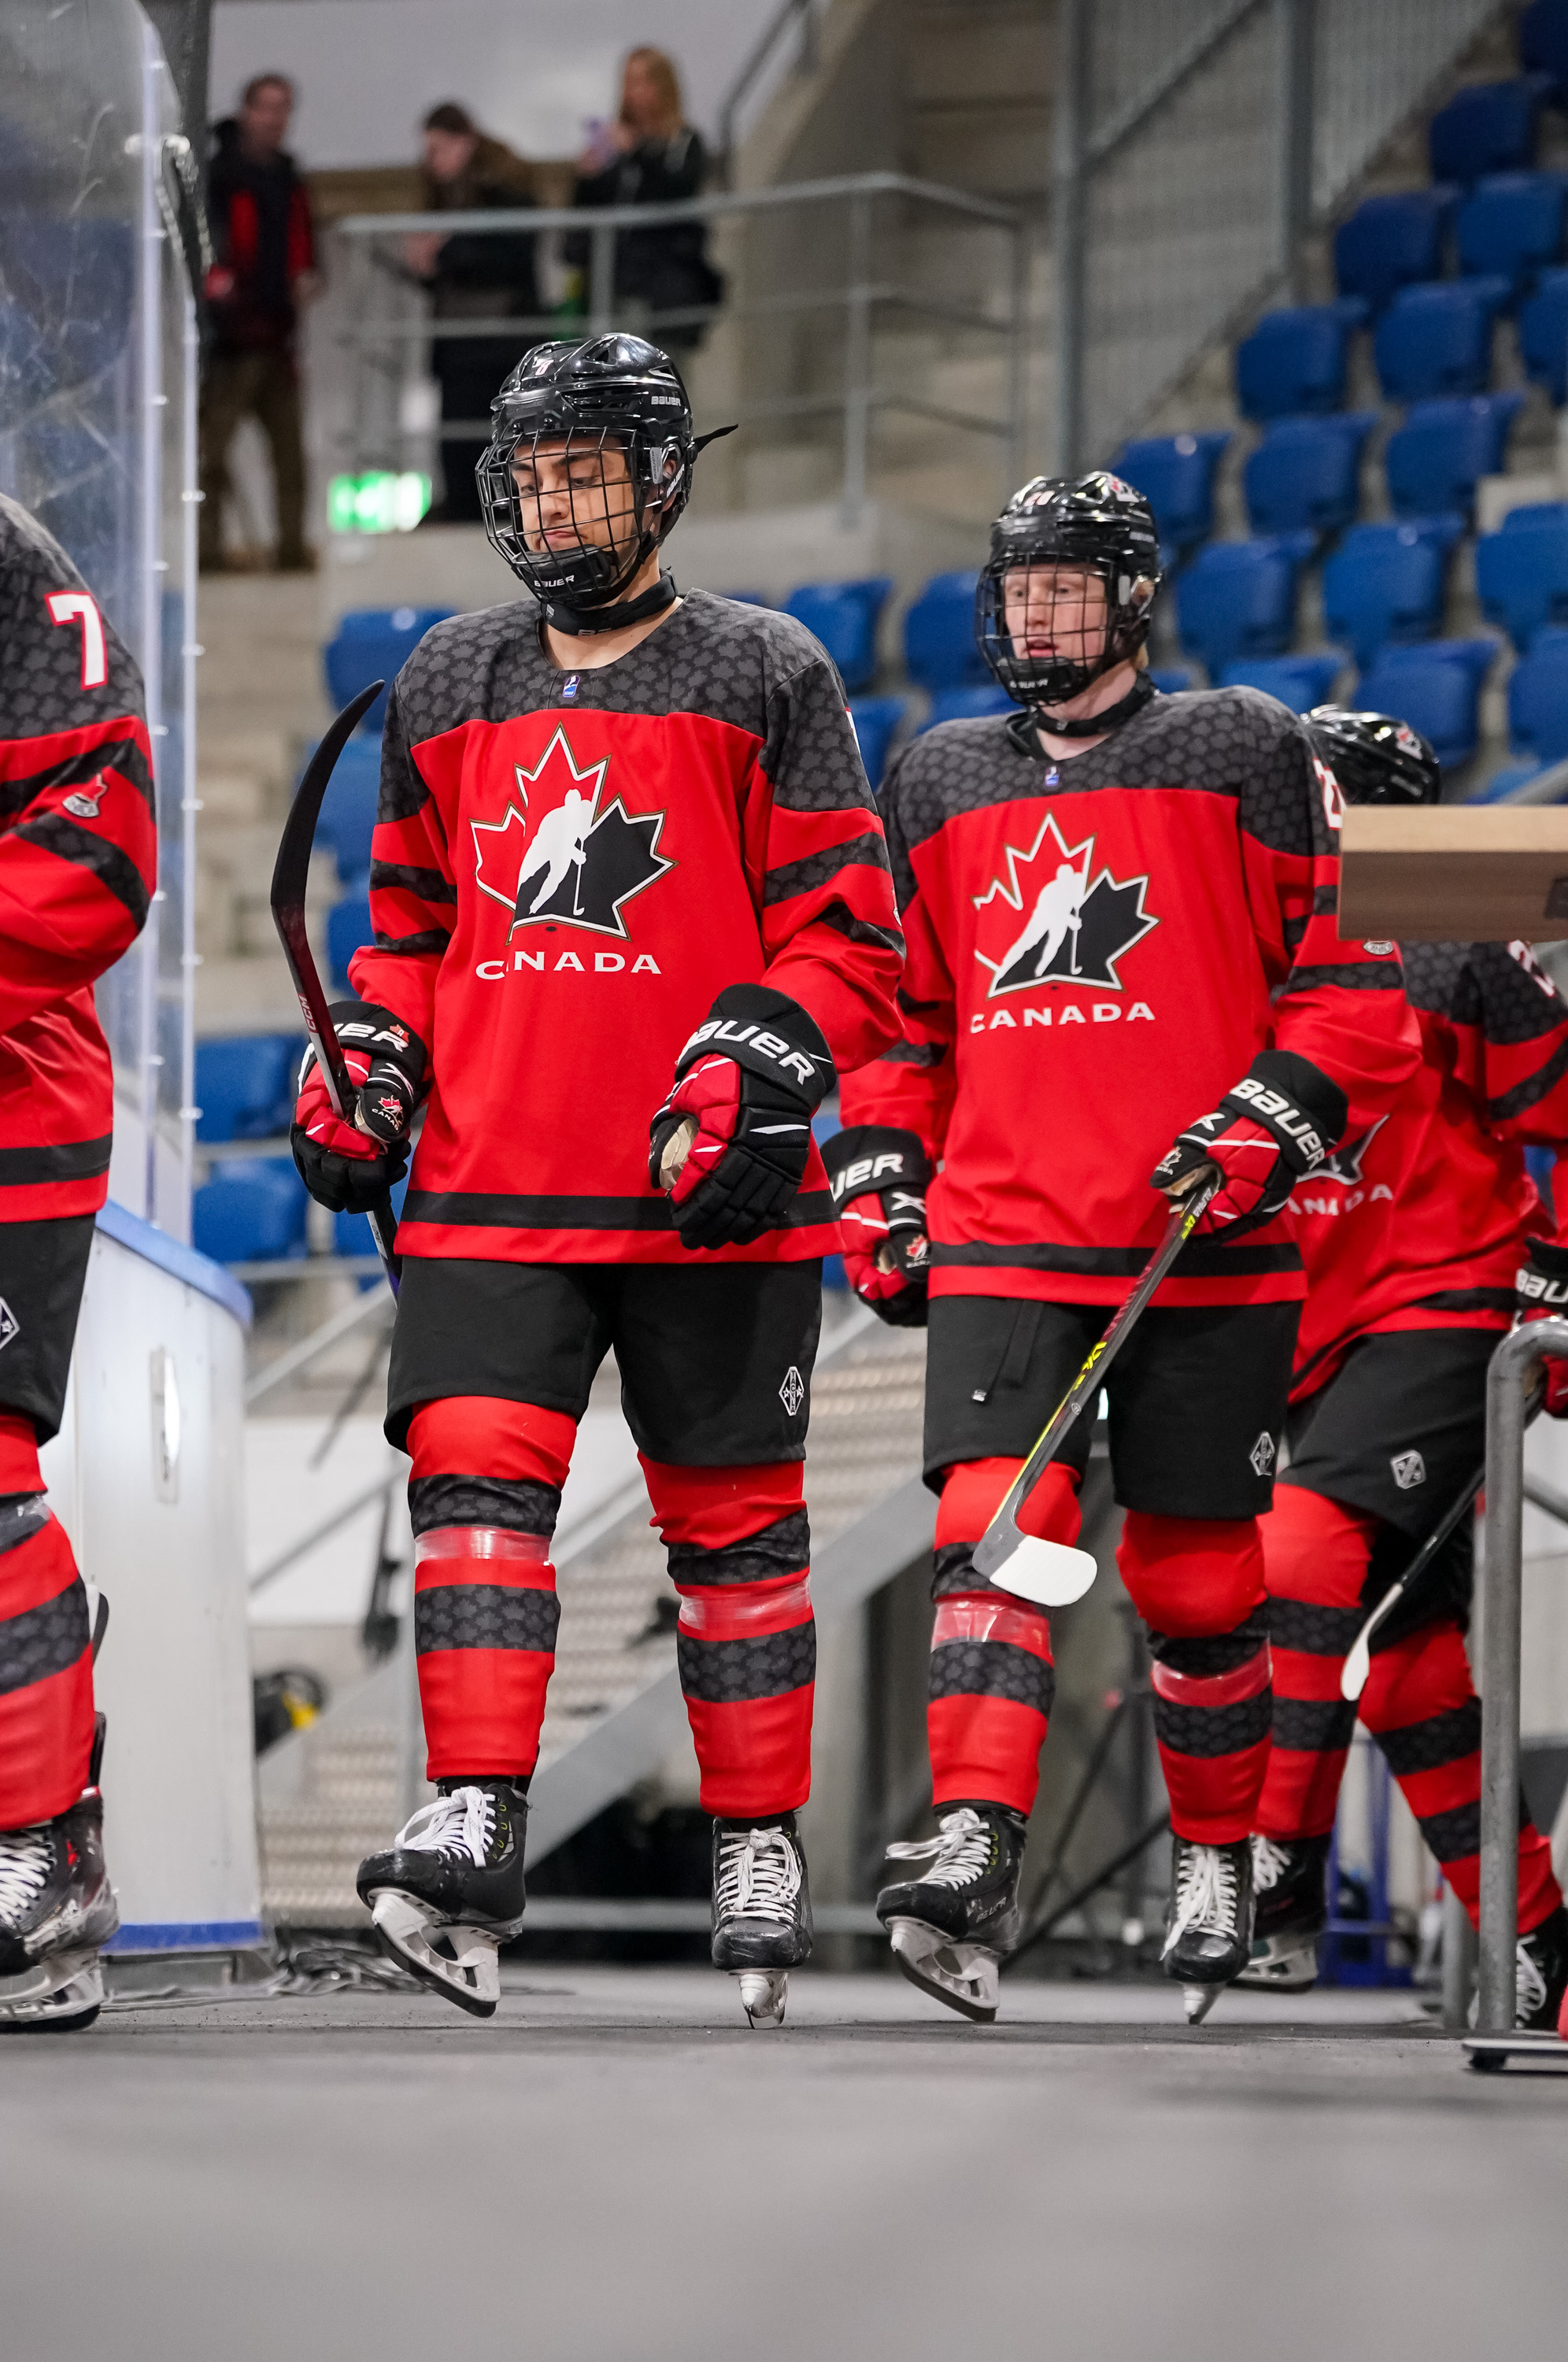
point(651, 156)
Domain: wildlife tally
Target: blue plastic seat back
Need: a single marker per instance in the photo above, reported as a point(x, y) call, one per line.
point(348, 808)
point(1436, 339)
point(1306, 473)
point(374, 644)
point(966, 705)
point(1436, 687)
point(1521, 573)
point(1237, 599)
point(348, 928)
point(876, 719)
point(844, 617)
point(1294, 361)
point(1434, 460)
point(1300, 681)
point(1544, 43)
point(252, 1209)
point(1175, 475)
point(1171, 681)
point(245, 1084)
point(1385, 582)
point(1488, 127)
point(1391, 242)
point(1543, 334)
point(940, 649)
point(1503, 783)
point(1537, 698)
point(1511, 223)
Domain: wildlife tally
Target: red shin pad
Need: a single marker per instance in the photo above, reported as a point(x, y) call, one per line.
point(992, 1680)
point(1199, 1584)
point(46, 1726)
point(1315, 1559)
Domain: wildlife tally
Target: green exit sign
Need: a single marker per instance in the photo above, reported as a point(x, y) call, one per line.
point(378, 501)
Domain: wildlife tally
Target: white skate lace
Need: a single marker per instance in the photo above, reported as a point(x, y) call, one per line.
point(462, 1823)
point(1270, 1863)
point(24, 1866)
point(959, 1853)
point(759, 1875)
point(1530, 1987)
point(1205, 1894)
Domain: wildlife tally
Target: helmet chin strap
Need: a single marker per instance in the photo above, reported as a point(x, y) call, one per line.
point(577, 621)
point(1096, 726)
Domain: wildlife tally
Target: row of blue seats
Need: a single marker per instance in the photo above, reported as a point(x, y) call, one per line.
point(1434, 338)
point(253, 1209)
point(1492, 126)
point(1511, 223)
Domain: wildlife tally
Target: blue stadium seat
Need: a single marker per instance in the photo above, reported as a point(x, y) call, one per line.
point(348, 927)
point(1436, 339)
point(966, 705)
point(351, 1232)
point(245, 1084)
point(1521, 573)
point(1385, 582)
point(876, 719)
point(940, 648)
point(1175, 475)
point(1295, 360)
point(1537, 698)
point(1503, 783)
point(1237, 599)
point(843, 616)
point(1543, 334)
point(1392, 242)
point(1435, 459)
point(1489, 126)
point(373, 643)
point(251, 1210)
point(1543, 43)
point(1512, 224)
point(1436, 687)
point(1306, 473)
point(1170, 680)
point(348, 808)
point(1300, 682)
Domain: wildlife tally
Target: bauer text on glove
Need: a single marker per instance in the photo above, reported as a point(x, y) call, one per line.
point(1277, 1125)
point(1540, 1289)
point(746, 1087)
point(880, 1175)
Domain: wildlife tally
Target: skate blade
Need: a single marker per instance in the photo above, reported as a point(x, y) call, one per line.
point(764, 1994)
point(61, 1994)
point(469, 1973)
point(964, 1977)
point(1295, 1971)
point(1198, 2000)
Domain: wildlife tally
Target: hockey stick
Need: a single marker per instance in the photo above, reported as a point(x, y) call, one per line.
point(1053, 1573)
point(1358, 1664)
point(290, 874)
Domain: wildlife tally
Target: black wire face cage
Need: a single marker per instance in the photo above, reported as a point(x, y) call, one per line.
point(1053, 530)
point(1375, 758)
point(608, 495)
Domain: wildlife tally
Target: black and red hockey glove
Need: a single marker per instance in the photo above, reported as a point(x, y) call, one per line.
point(348, 1167)
point(879, 1175)
point(746, 1087)
point(1541, 1288)
point(1275, 1127)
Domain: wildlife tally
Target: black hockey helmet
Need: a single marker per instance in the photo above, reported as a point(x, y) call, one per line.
point(1097, 524)
point(616, 392)
point(1375, 758)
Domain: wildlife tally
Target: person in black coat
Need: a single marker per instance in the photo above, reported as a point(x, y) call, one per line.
point(651, 156)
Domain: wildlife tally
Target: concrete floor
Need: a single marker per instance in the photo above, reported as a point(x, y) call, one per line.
point(615, 2169)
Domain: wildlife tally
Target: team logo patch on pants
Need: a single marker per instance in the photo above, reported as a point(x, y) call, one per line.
point(1261, 1453)
point(792, 1393)
point(1409, 1470)
point(9, 1325)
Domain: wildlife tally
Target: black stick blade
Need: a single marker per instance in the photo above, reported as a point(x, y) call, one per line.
point(291, 873)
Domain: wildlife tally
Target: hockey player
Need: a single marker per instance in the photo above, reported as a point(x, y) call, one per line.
point(78, 855)
point(1412, 1235)
point(714, 930)
point(1198, 841)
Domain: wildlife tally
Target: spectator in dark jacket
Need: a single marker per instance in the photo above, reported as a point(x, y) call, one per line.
point(651, 156)
point(472, 277)
point(264, 268)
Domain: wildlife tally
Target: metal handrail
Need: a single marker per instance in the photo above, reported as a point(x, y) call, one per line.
point(790, 13)
point(720, 203)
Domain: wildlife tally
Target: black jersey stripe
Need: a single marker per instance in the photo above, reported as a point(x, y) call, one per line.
point(431, 940)
point(1532, 1091)
point(121, 756)
point(1355, 976)
point(428, 884)
point(842, 921)
point(1200, 1259)
point(71, 1160)
point(813, 869)
point(487, 1209)
point(54, 832)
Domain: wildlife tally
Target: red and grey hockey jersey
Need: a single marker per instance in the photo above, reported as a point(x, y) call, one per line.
point(1097, 949)
point(1416, 1221)
point(569, 867)
point(78, 856)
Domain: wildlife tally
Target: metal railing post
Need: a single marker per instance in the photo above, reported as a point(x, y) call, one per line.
point(602, 280)
point(857, 361)
point(1067, 230)
point(1509, 1377)
point(1297, 29)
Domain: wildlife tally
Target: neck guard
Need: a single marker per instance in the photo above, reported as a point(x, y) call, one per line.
point(1096, 726)
point(579, 619)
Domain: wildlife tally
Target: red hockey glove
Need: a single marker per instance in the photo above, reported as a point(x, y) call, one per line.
point(1274, 1128)
point(879, 1176)
point(746, 1087)
point(347, 1167)
point(1540, 1288)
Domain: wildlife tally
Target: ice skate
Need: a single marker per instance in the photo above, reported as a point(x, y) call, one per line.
point(448, 1891)
point(1290, 1911)
point(952, 1927)
point(1208, 1921)
point(762, 1912)
point(57, 1907)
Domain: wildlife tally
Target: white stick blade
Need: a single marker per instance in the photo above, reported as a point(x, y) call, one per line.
point(1357, 1665)
point(1052, 1574)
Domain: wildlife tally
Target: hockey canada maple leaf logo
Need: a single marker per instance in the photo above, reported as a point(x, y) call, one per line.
point(1347, 1158)
point(1075, 928)
point(561, 860)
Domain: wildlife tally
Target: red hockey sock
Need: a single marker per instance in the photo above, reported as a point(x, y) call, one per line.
point(46, 1674)
point(1198, 1583)
point(20, 1470)
point(1316, 1553)
point(739, 1550)
point(1420, 1704)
